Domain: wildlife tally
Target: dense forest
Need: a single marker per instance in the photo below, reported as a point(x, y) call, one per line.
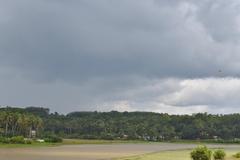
point(118, 125)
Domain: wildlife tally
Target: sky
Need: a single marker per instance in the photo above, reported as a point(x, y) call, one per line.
point(170, 56)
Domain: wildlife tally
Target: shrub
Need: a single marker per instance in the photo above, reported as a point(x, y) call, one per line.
point(201, 153)
point(107, 137)
point(89, 137)
point(17, 140)
point(53, 139)
point(4, 140)
point(219, 154)
point(28, 141)
point(237, 155)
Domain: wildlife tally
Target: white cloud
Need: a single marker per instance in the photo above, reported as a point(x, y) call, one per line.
point(184, 96)
point(209, 91)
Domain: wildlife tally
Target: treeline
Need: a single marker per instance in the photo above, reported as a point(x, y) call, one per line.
point(14, 123)
point(130, 125)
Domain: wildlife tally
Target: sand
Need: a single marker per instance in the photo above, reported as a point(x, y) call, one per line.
point(92, 152)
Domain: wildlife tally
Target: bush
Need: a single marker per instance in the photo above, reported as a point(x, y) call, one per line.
point(28, 141)
point(107, 136)
point(237, 155)
point(201, 153)
point(17, 140)
point(53, 139)
point(4, 140)
point(219, 154)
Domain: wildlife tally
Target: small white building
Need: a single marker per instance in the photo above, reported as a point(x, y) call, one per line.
point(33, 133)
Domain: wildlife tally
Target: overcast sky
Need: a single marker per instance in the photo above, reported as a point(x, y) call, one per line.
point(174, 56)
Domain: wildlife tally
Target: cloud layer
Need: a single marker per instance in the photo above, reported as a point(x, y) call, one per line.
point(163, 56)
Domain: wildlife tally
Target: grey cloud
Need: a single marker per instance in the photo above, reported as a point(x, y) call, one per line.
point(84, 39)
point(221, 19)
point(115, 51)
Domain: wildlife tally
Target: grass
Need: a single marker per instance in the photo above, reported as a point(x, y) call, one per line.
point(97, 141)
point(35, 144)
point(205, 141)
point(86, 141)
point(173, 155)
point(163, 155)
point(71, 142)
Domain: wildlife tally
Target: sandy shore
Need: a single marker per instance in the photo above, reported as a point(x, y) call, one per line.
point(92, 152)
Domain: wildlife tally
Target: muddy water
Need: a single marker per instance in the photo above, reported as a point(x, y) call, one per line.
point(92, 152)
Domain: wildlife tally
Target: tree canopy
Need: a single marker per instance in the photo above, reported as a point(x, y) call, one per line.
point(119, 125)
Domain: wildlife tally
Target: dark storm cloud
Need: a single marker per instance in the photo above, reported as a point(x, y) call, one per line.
point(116, 51)
point(85, 39)
point(220, 18)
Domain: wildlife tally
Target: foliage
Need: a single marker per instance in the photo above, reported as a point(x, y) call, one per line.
point(39, 111)
point(201, 153)
point(53, 139)
point(28, 141)
point(17, 140)
point(219, 154)
point(15, 122)
point(237, 155)
point(120, 125)
point(4, 140)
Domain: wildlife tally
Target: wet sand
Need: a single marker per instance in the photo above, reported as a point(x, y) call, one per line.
point(93, 152)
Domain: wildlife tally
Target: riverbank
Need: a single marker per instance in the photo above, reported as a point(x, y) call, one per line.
point(103, 151)
point(96, 142)
point(74, 142)
point(176, 155)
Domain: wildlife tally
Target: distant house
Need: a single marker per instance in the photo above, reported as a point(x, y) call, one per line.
point(33, 133)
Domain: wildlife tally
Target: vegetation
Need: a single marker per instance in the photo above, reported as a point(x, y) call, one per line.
point(101, 141)
point(219, 154)
point(173, 155)
point(119, 125)
point(201, 153)
point(237, 155)
point(53, 139)
point(14, 123)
